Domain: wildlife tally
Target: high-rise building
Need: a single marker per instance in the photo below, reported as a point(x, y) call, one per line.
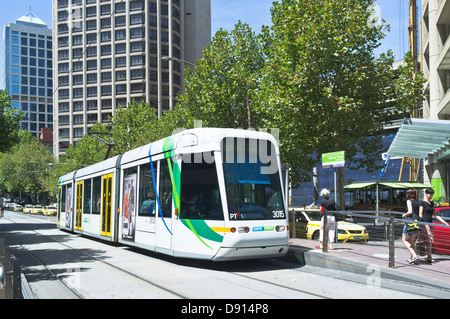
point(28, 71)
point(109, 53)
point(427, 138)
point(436, 58)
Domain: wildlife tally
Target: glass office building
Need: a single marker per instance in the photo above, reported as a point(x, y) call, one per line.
point(303, 195)
point(28, 71)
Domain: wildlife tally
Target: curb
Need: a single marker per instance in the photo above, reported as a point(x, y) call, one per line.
point(27, 293)
point(320, 259)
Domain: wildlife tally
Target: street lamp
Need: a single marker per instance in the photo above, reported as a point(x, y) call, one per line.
point(169, 58)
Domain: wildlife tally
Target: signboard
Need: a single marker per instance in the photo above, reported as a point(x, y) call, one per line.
point(335, 159)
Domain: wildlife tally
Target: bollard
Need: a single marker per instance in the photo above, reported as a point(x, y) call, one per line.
point(17, 279)
point(391, 242)
point(293, 231)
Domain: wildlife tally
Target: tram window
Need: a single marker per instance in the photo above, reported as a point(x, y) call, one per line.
point(62, 202)
point(200, 195)
point(96, 195)
point(68, 201)
point(253, 188)
point(87, 197)
point(165, 188)
point(147, 198)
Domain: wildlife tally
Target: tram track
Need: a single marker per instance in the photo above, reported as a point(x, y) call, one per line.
point(59, 278)
point(110, 271)
point(193, 264)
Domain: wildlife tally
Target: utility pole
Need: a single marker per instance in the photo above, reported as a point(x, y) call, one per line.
point(414, 35)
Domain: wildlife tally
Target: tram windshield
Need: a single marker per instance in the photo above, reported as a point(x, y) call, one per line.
point(252, 180)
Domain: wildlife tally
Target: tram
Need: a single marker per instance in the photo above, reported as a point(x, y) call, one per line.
point(204, 193)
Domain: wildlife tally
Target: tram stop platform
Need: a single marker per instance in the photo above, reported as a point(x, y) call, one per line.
point(372, 259)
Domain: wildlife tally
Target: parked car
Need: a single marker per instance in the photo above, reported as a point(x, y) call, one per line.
point(37, 209)
point(442, 234)
point(14, 207)
point(49, 210)
point(27, 209)
point(308, 226)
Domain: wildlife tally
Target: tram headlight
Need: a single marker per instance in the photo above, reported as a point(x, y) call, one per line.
point(243, 229)
point(280, 228)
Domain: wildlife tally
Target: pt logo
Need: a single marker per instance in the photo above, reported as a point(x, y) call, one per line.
point(235, 215)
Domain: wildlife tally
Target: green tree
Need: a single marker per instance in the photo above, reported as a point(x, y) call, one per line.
point(323, 86)
point(25, 167)
point(9, 123)
point(131, 127)
point(221, 90)
point(88, 151)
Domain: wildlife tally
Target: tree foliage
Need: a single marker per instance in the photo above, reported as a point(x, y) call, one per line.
point(225, 82)
point(9, 123)
point(313, 75)
point(131, 127)
point(24, 169)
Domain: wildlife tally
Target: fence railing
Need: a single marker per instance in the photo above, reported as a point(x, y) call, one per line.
point(382, 226)
point(10, 274)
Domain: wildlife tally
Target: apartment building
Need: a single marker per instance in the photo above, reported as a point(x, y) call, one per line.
point(108, 53)
point(436, 58)
point(428, 138)
point(28, 75)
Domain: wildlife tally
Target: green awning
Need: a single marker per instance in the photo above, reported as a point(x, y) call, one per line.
point(389, 184)
point(359, 185)
point(393, 185)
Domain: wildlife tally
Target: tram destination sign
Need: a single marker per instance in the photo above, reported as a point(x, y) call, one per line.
point(334, 159)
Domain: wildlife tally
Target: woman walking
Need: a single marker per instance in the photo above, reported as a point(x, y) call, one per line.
point(426, 213)
point(411, 230)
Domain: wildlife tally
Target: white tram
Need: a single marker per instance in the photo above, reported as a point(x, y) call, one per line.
point(203, 193)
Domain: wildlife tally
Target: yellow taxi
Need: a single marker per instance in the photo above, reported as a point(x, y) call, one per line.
point(307, 226)
point(27, 209)
point(49, 210)
point(37, 209)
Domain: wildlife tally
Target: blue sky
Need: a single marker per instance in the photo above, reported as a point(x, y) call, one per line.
point(225, 14)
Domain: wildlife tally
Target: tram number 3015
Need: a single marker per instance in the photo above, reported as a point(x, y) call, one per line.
point(278, 214)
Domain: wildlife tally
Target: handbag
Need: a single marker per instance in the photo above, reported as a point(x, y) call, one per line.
point(412, 226)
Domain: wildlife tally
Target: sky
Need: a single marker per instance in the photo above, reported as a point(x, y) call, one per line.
point(225, 14)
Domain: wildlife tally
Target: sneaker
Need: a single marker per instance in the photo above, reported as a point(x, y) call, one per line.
point(413, 260)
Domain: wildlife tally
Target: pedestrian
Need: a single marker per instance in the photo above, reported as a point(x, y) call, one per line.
point(426, 213)
point(327, 204)
point(410, 230)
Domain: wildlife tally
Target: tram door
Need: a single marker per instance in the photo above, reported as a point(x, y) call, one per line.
point(164, 216)
point(79, 206)
point(107, 205)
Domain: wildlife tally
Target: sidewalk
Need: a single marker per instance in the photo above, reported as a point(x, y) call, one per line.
point(367, 258)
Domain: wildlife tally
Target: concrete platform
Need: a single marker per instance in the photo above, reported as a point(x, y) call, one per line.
point(372, 259)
